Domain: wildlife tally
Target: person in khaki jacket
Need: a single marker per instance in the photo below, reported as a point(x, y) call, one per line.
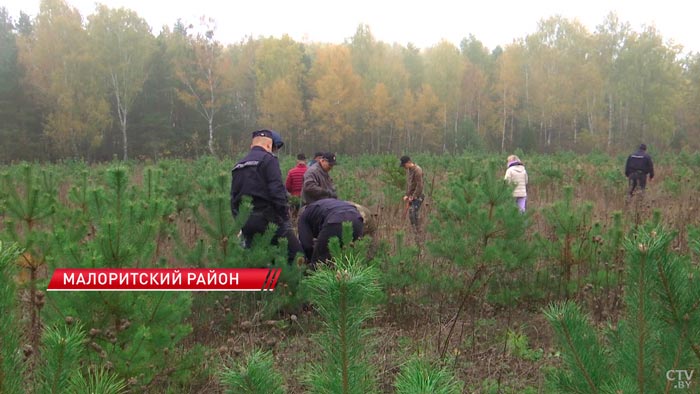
point(517, 175)
point(414, 189)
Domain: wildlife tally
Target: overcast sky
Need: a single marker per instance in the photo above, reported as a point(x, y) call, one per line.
point(423, 23)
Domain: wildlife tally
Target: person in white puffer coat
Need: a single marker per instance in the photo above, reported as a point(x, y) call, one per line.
point(517, 175)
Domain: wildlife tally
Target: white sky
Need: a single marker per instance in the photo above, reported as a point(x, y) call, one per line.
point(421, 22)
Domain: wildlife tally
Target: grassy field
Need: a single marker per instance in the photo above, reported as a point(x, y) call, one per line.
point(466, 294)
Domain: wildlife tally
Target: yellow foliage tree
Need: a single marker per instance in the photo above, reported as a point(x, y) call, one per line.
point(61, 68)
point(380, 117)
point(337, 92)
point(279, 71)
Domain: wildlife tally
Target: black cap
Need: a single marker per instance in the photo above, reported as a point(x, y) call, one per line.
point(330, 157)
point(301, 156)
point(404, 160)
point(277, 142)
point(643, 147)
point(318, 154)
point(262, 133)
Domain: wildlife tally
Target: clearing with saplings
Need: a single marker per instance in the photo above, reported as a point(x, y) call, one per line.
point(583, 292)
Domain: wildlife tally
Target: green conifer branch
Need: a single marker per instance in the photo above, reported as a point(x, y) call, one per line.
point(11, 366)
point(418, 376)
point(565, 318)
point(344, 298)
point(641, 324)
point(255, 375)
point(61, 352)
point(99, 382)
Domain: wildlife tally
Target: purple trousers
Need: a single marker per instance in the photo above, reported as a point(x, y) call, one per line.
point(521, 201)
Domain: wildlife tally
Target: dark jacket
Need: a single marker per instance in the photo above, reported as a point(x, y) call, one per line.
point(317, 185)
point(258, 175)
point(639, 161)
point(323, 212)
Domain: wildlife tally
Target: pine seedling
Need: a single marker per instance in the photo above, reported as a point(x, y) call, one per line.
point(100, 381)
point(78, 193)
point(588, 369)
point(29, 204)
point(344, 245)
point(657, 334)
point(571, 244)
point(694, 242)
point(218, 224)
point(136, 333)
point(478, 227)
point(401, 270)
point(418, 376)
point(152, 194)
point(477, 222)
point(220, 246)
point(25, 201)
point(606, 267)
point(179, 183)
point(62, 350)
point(12, 368)
point(256, 375)
point(344, 298)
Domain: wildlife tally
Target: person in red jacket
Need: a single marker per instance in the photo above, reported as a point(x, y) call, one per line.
point(295, 180)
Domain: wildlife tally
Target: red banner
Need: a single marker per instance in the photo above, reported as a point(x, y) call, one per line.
point(165, 279)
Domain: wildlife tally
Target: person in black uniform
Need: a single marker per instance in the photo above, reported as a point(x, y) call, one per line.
point(323, 219)
point(258, 175)
point(638, 166)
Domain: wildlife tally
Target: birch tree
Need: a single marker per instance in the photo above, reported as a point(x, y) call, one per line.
point(124, 46)
point(205, 77)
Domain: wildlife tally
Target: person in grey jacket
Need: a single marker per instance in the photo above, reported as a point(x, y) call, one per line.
point(517, 175)
point(317, 182)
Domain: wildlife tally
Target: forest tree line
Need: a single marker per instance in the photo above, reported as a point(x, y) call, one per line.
point(104, 85)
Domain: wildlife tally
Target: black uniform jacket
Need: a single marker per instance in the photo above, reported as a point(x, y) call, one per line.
point(323, 212)
point(258, 175)
point(639, 161)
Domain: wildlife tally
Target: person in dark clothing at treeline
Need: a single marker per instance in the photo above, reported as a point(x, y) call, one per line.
point(323, 219)
point(258, 175)
point(637, 167)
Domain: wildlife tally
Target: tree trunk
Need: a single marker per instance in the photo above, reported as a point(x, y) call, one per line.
point(391, 138)
point(527, 95)
point(590, 115)
point(444, 129)
point(503, 132)
point(456, 127)
point(211, 135)
point(610, 119)
point(124, 139)
point(478, 116)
